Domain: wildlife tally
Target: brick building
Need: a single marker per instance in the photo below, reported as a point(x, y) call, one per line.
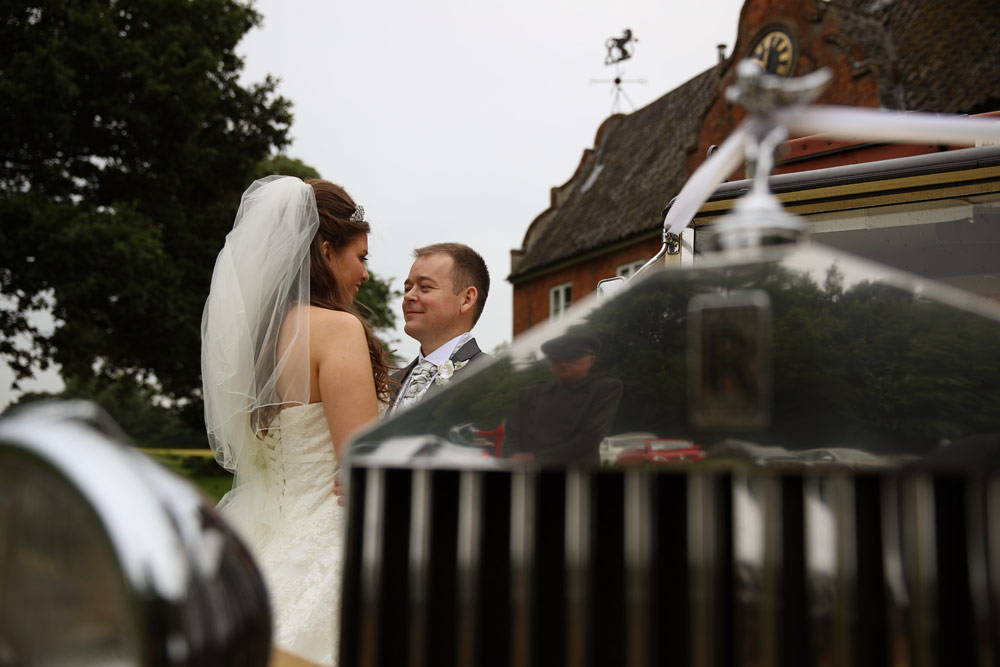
point(606, 219)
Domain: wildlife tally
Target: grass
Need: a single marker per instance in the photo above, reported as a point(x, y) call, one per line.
point(198, 466)
point(203, 453)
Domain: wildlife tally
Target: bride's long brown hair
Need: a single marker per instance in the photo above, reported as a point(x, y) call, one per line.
point(335, 208)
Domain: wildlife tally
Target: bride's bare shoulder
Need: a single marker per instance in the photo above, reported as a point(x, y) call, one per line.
point(334, 323)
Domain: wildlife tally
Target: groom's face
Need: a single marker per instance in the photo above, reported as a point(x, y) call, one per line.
point(431, 309)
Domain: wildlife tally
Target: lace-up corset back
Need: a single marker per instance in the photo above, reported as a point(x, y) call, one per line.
point(300, 439)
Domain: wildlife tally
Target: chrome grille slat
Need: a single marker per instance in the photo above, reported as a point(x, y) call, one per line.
point(688, 567)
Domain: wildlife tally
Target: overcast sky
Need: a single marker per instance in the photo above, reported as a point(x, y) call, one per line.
point(452, 120)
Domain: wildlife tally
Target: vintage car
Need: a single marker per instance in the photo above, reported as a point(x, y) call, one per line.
point(845, 511)
point(108, 559)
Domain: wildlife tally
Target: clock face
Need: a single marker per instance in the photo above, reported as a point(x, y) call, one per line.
point(775, 52)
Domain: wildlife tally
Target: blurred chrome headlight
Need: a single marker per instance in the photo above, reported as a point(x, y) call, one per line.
point(106, 558)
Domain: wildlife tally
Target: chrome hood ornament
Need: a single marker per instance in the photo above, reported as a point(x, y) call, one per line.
point(758, 218)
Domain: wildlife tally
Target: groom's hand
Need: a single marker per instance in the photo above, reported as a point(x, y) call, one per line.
point(338, 490)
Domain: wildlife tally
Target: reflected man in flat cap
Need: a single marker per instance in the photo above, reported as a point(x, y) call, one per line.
point(564, 419)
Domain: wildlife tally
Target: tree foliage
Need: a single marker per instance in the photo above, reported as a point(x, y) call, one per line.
point(134, 407)
point(128, 140)
point(378, 303)
point(285, 166)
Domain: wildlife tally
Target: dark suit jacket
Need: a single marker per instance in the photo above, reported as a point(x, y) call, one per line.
point(469, 351)
point(563, 423)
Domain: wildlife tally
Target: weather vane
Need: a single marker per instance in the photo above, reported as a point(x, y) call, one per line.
point(624, 45)
point(619, 49)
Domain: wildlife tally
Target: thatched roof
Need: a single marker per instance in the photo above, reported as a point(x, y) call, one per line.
point(947, 58)
point(622, 185)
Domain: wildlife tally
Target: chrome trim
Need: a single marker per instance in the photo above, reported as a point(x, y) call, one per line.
point(979, 569)
point(578, 544)
point(703, 559)
point(867, 172)
point(419, 563)
point(831, 567)
point(522, 562)
point(895, 574)
point(638, 566)
point(371, 566)
point(192, 587)
point(757, 563)
point(920, 566)
point(149, 549)
point(671, 246)
point(470, 517)
point(992, 503)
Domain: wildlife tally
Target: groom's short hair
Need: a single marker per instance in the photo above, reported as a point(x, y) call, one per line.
point(468, 269)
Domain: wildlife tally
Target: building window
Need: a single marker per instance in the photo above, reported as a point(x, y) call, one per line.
point(627, 270)
point(560, 297)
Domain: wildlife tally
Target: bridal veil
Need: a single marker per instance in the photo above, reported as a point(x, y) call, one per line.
point(259, 293)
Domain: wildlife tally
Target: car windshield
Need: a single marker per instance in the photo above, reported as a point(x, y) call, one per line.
point(797, 350)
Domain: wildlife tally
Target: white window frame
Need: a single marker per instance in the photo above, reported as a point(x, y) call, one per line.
point(560, 299)
point(628, 270)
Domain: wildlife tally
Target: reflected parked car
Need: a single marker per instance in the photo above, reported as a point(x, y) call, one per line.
point(660, 451)
point(613, 445)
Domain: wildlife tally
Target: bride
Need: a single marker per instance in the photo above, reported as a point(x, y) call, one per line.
point(289, 371)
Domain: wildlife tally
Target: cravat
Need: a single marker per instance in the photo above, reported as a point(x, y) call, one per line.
point(420, 381)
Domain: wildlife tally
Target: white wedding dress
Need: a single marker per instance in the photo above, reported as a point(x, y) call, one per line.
point(291, 520)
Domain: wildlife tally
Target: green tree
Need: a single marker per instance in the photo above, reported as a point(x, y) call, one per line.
point(134, 407)
point(286, 166)
point(128, 140)
point(378, 303)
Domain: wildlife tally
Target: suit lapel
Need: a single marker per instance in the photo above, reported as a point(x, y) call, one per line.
point(463, 354)
point(466, 351)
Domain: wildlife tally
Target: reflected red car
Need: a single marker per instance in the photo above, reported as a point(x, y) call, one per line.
point(660, 451)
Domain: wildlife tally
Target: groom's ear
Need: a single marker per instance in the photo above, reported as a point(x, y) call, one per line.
point(470, 295)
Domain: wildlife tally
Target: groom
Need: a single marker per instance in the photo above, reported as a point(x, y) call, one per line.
point(443, 298)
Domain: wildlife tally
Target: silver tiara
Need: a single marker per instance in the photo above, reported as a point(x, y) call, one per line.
point(359, 214)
